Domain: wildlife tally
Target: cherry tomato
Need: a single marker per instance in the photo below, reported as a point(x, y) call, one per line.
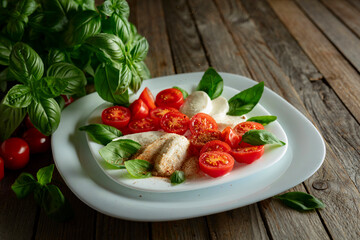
point(139, 109)
point(125, 130)
point(159, 112)
point(170, 97)
point(231, 137)
point(198, 140)
point(216, 164)
point(37, 141)
point(243, 127)
point(142, 125)
point(116, 116)
point(28, 122)
point(247, 154)
point(215, 145)
point(15, 153)
point(175, 122)
point(148, 98)
point(67, 99)
point(1, 168)
point(201, 122)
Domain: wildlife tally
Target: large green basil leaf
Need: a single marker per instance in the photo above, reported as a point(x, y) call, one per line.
point(116, 152)
point(19, 96)
point(117, 25)
point(15, 29)
point(119, 7)
point(101, 133)
point(107, 80)
point(138, 168)
point(10, 119)
point(136, 79)
point(25, 8)
point(142, 70)
point(82, 26)
point(24, 185)
point(86, 4)
point(139, 50)
point(246, 100)
point(107, 47)
point(260, 137)
point(300, 201)
point(264, 120)
point(50, 87)
point(54, 204)
point(25, 63)
point(211, 83)
point(5, 50)
point(44, 174)
point(55, 56)
point(45, 114)
point(74, 77)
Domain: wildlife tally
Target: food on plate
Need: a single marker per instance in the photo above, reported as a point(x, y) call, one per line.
point(202, 122)
point(215, 145)
point(143, 138)
point(142, 125)
point(116, 116)
point(170, 97)
point(247, 154)
point(216, 164)
point(196, 102)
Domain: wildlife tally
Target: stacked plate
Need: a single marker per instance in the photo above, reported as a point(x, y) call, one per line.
point(153, 199)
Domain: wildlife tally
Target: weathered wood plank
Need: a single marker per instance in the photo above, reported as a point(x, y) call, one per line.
point(355, 3)
point(337, 71)
point(346, 12)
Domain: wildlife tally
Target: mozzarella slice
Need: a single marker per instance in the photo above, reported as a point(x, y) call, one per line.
point(224, 121)
point(220, 106)
point(196, 102)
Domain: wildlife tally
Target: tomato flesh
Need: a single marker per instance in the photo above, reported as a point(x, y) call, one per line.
point(37, 141)
point(148, 98)
point(202, 122)
point(243, 127)
point(170, 97)
point(116, 116)
point(1, 168)
point(15, 152)
point(247, 154)
point(231, 137)
point(139, 109)
point(175, 122)
point(198, 140)
point(215, 145)
point(142, 125)
point(216, 164)
point(159, 112)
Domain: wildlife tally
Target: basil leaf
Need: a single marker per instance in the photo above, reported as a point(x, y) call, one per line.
point(246, 100)
point(86, 4)
point(50, 87)
point(45, 114)
point(119, 7)
point(44, 174)
point(5, 50)
point(260, 137)
point(70, 74)
point(60, 101)
point(138, 168)
point(142, 70)
point(19, 96)
point(24, 185)
point(136, 79)
point(25, 64)
point(177, 177)
point(15, 29)
point(82, 26)
point(264, 120)
point(300, 201)
point(117, 25)
point(108, 80)
point(116, 152)
point(55, 56)
point(10, 119)
point(101, 133)
point(139, 50)
point(184, 93)
point(211, 83)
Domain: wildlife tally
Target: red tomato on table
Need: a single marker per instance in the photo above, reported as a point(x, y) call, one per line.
point(142, 125)
point(15, 152)
point(139, 109)
point(37, 141)
point(28, 122)
point(68, 99)
point(247, 154)
point(116, 116)
point(175, 122)
point(231, 137)
point(201, 122)
point(148, 98)
point(170, 97)
point(215, 145)
point(198, 140)
point(216, 164)
point(1, 168)
point(243, 127)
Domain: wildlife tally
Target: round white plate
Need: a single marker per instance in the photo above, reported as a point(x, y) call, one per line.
point(82, 174)
point(273, 153)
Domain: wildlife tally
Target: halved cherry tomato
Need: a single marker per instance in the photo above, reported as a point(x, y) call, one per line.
point(142, 125)
point(139, 109)
point(215, 145)
point(198, 140)
point(231, 137)
point(148, 98)
point(175, 122)
point(15, 152)
point(243, 127)
point(116, 116)
point(1, 168)
point(37, 141)
point(247, 154)
point(68, 99)
point(216, 164)
point(170, 97)
point(159, 112)
point(201, 122)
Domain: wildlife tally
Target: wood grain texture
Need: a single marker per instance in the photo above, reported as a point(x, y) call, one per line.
point(337, 71)
point(355, 3)
point(346, 12)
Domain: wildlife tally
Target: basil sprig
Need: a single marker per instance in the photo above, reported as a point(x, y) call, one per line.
point(47, 196)
point(211, 83)
point(101, 133)
point(264, 120)
point(177, 177)
point(138, 168)
point(184, 92)
point(260, 137)
point(300, 201)
point(116, 152)
point(246, 100)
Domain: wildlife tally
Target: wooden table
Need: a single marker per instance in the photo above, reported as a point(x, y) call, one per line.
point(307, 51)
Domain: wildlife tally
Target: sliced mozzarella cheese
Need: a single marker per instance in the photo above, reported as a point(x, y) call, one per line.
point(144, 138)
point(224, 121)
point(196, 102)
point(220, 106)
